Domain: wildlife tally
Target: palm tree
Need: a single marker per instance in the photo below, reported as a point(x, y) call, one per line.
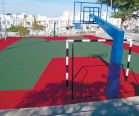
point(37, 27)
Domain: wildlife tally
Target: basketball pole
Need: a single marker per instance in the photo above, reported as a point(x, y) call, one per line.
point(72, 87)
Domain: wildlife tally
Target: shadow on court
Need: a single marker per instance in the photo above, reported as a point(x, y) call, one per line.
point(58, 94)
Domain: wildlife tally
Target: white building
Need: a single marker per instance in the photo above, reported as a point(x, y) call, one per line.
point(6, 21)
point(61, 22)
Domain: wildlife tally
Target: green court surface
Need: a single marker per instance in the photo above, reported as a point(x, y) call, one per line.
point(22, 63)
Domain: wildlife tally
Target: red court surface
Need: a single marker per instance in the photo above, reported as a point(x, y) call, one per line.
point(135, 48)
point(50, 37)
point(9, 41)
point(90, 78)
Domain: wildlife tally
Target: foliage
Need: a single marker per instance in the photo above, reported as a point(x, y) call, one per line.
point(36, 26)
point(132, 5)
point(126, 8)
point(22, 30)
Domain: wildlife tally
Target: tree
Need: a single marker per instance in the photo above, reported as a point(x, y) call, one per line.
point(37, 26)
point(22, 30)
point(132, 5)
point(127, 9)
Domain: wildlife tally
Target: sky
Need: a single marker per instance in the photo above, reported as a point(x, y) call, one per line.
point(52, 8)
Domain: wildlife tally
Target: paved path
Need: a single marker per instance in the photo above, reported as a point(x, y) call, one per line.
point(117, 107)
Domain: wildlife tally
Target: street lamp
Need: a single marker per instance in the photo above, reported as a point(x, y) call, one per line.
point(5, 32)
point(0, 28)
point(111, 7)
